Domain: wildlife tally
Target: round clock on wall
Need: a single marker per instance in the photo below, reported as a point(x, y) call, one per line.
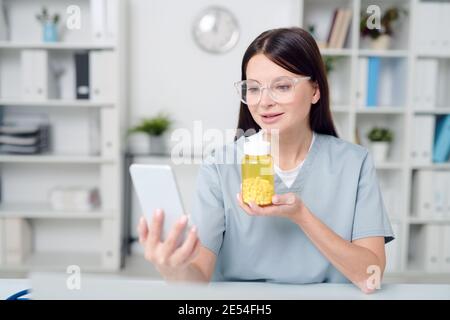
point(216, 30)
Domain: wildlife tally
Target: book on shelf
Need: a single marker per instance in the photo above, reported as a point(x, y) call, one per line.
point(82, 89)
point(393, 250)
point(422, 139)
point(18, 237)
point(430, 194)
point(102, 78)
point(433, 250)
point(446, 248)
point(104, 15)
point(425, 93)
point(373, 78)
point(441, 150)
point(361, 94)
point(432, 26)
point(339, 28)
point(37, 77)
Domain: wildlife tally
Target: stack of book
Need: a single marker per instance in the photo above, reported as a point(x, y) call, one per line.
point(340, 25)
point(20, 139)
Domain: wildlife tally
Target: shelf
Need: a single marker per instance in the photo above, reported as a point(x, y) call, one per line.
point(433, 111)
point(340, 109)
point(431, 166)
point(418, 220)
point(54, 159)
point(43, 211)
point(433, 54)
point(336, 52)
point(56, 103)
point(389, 166)
point(383, 53)
point(56, 46)
point(380, 110)
point(58, 261)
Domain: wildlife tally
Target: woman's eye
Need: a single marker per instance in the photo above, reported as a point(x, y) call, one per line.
point(252, 90)
point(283, 87)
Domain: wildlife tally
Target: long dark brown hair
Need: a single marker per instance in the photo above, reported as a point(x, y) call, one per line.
point(295, 50)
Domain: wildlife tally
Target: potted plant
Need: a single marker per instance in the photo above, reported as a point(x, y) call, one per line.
point(380, 140)
point(155, 128)
point(49, 25)
point(381, 37)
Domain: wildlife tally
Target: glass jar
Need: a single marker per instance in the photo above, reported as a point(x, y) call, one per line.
point(257, 172)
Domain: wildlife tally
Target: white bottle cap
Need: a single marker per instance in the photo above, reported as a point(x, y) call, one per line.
point(255, 145)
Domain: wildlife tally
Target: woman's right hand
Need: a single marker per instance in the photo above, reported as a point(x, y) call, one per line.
point(169, 260)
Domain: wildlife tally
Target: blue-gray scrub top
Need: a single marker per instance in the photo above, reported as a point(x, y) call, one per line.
point(337, 183)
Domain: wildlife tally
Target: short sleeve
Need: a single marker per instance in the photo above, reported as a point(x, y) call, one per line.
point(371, 218)
point(208, 212)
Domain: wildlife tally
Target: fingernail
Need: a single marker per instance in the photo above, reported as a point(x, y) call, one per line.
point(251, 204)
point(158, 212)
point(194, 229)
point(141, 220)
point(237, 196)
point(183, 219)
point(275, 199)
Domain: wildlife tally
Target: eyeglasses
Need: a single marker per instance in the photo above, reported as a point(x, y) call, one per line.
point(280, 89)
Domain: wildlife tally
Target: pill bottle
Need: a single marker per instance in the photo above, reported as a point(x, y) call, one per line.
point(257, 171)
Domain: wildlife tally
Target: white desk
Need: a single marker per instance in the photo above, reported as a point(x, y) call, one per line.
point(51, 286)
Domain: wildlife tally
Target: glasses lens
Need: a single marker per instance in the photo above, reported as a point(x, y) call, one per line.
point(283, 89)
point(249, 91)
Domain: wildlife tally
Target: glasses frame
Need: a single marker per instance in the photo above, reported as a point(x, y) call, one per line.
point(238, 86)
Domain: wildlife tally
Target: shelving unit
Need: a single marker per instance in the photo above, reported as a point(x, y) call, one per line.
point(395, 175)
point(92, 240)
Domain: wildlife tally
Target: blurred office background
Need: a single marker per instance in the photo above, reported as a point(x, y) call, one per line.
point(86, 86)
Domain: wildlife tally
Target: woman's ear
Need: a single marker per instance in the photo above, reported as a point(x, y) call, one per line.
point(316, 95)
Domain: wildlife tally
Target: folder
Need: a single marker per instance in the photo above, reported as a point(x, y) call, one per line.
point(103, 77)
point(373, 81)
point(38, 81)
point(441, 150)
point(82, 75)
point(361, 98)
point(439, 194)
point(98, 19)
point(17, 240)
point(423, 139)
point(446, 250)
point(422, 193)
point(393, 250)
point(431, 254)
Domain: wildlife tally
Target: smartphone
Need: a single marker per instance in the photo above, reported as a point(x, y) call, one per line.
point(156, 187)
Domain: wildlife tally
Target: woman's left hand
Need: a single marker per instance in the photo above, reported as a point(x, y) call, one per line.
point(286, 205)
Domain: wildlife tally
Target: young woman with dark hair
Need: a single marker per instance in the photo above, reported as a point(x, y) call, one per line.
point(327, 221)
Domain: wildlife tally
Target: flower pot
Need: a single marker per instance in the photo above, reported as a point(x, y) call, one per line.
point(158, 145)
point(383, 42)
point(50, 32)
point(380, 151)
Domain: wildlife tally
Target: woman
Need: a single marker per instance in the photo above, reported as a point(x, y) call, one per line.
point(327, 222)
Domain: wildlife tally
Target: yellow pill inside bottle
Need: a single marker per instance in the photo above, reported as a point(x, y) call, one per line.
point(257, 172)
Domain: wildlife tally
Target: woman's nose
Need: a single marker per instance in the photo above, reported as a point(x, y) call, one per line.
point(266, 98)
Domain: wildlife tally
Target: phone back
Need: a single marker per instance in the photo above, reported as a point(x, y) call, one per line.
point(156, 187)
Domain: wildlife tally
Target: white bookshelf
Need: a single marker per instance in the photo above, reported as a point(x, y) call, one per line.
point(398, 171)
point(58, 237)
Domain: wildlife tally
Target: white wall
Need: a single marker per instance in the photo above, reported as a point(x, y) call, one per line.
point(167, 71)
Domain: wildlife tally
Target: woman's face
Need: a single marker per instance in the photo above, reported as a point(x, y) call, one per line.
point(270, 114)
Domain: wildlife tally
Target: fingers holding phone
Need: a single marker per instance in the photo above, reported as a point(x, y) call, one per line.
point(171, 253)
